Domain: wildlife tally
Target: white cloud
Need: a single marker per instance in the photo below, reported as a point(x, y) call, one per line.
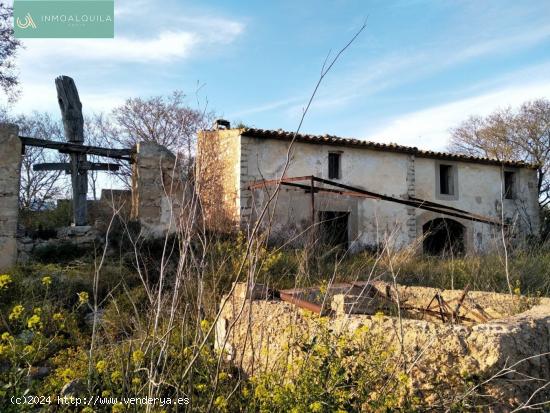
point(405, 67)
point(429, 128)
point(269, 106)
point(164, 47)
point(42, 97)
point(500, 45)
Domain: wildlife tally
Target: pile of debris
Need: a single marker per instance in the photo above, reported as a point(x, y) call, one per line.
point(445, 335)
point(374, 297)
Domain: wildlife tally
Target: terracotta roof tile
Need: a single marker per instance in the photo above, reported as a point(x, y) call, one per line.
point(390, 147)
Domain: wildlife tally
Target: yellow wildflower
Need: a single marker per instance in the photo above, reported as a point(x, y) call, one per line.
point(101, 366)
point(3, 349)
point(28, 349)
point(200, 387)
point(34, 322)
point(67, 374)
point(116, 375)
point(136, 381)
point(205, 325)
point(57, 317)
point(83, 297)
point(46, 280)
point(6, 336)
point(316, 407)
point(223, 376)
point(221, 403)
point(105, 393)
point(378, 316)
point(118, 408)
point(5, 279)
point(16, 312)
point(138, 356)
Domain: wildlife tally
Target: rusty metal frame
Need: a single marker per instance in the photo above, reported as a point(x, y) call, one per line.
point(348, 190)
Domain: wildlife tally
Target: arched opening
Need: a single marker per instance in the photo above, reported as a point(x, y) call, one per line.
point(443, 236)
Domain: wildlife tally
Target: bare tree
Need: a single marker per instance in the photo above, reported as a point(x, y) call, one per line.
point(37, 188)
point(94, 135)
point(166, 120)
point(508, 135)
point(8, 49)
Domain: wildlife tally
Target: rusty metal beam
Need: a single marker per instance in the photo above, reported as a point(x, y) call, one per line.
point(292, 299)
point(359, 192)
point(269, 182)
point(420, 204)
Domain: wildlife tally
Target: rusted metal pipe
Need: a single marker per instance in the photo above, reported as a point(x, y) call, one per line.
point(292, 299)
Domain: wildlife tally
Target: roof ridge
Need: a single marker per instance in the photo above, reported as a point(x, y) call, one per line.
point(337, 140)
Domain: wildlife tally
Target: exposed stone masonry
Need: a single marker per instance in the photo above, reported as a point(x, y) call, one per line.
point(411, 212)
point(10, 169)
point(256, 335)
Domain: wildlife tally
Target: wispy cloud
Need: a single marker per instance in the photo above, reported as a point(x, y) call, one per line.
point(42, 97)
point(162, 48)
point(372, 76)
point(429, 128)
point(201, 33)
point(269, 106)
point(500, 45)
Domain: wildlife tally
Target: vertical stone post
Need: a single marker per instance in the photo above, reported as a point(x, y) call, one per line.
point(157, 189)
point(10, 171)
point(411, 192)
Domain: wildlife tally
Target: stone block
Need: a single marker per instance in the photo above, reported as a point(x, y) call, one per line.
point(10, 163)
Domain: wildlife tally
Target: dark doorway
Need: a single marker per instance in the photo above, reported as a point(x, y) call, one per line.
point(334, 228)
point(443, 236)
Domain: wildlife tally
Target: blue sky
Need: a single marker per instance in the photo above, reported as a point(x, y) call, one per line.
point(419, 68)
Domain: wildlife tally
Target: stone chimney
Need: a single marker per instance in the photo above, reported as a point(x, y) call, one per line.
point(220, 124)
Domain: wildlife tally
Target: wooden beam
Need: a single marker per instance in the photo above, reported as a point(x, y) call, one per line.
point(100, 166)
point(67, 147)
point(73, 122)
point(71, 109)
point(52, 166)
point(88, 166)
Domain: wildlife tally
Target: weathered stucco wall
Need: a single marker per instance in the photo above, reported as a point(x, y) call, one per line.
point(255, 333)
point(370, 221)
point(479, 191)
point(241, 159)
point(389, 173)
point(10, 169)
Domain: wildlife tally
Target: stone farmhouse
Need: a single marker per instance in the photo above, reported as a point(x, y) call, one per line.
point(248, 163)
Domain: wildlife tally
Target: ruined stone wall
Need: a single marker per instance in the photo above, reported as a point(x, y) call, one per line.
point(160, 193)
point(255, 334)
point(220, 171)
point(10, 169)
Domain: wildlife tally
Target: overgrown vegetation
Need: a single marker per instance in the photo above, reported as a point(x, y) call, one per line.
point(102, 328)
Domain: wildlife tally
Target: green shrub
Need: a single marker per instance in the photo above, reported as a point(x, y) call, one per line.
point(50, 219)
point(59, 252)
point(334, 372)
